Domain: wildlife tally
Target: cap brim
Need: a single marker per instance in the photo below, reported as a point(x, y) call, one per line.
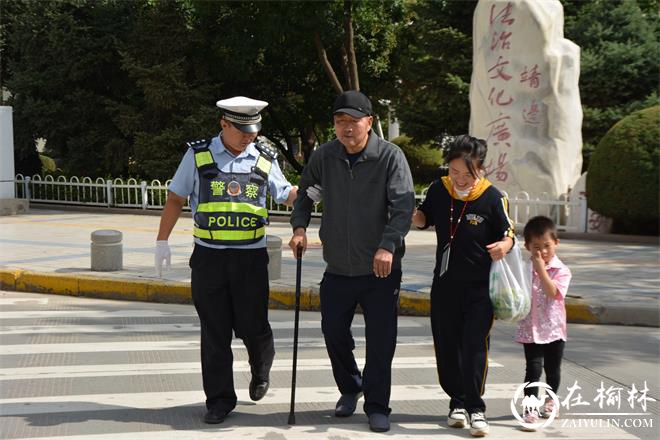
point(351, 112)
point(248, 128)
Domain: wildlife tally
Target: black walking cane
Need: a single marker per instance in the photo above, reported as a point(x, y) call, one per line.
point(292, 415)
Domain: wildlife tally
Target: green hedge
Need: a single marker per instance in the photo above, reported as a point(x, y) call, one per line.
point(424, 160)
point(622, 182)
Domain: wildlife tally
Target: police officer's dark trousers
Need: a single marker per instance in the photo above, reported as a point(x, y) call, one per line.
point(230, 293)
point(461, 319)
point(379, 299)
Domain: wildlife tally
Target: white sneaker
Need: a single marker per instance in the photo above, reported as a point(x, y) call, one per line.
point(478, 424)
point(457, 418)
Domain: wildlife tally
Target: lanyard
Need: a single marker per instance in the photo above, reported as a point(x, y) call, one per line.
point(452, 229)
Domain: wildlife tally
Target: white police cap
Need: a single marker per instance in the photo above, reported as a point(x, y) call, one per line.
point(243, 112)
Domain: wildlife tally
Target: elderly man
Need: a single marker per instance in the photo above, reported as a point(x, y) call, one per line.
point(226, 178)
point(368, 200)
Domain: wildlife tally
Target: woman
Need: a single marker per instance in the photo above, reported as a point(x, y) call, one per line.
point(472, 228)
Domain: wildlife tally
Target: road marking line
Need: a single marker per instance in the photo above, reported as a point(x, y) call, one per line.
point(110, 370)
point(27, 301)
point(505, 429)
point(190, 344)
point(169, 399)
point(79, 329)
point(105, 314)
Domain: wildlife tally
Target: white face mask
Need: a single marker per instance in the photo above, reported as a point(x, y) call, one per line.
point(462, 194)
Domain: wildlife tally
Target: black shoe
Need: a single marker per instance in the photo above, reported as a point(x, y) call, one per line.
point(215, 416)
point(346, 404)
point(258, 388)
point(379, 422)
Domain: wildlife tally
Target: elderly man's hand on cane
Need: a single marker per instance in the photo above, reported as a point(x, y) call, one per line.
point(299, 239)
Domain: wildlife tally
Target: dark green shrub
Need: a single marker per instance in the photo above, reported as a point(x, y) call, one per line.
point(424, 160)
point(622, 182)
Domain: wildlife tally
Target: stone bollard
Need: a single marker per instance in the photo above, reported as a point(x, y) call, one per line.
point(106, 250)
point(274, 248)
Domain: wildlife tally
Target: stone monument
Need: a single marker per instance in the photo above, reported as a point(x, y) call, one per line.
point(524, 96)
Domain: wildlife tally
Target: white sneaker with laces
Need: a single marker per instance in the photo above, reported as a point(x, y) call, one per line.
point(457, 418)
point(478, 424)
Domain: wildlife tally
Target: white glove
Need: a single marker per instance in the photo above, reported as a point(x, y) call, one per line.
point(315, 193)
point(162, 254)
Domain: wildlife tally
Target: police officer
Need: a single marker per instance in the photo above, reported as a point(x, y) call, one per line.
point(227, 178)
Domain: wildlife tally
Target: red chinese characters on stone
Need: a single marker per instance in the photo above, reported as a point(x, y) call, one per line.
point(501, 175)
point(500, 39)
point(532, 114)
point(531, 76)
point(499, 131)
point(498, 98)
point(499, 136)
point(504, 15)
point(497, 71)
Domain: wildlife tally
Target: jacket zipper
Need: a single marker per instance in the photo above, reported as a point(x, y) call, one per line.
point(348, 217)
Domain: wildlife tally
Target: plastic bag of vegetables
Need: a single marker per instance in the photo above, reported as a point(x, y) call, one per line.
point(510, 287)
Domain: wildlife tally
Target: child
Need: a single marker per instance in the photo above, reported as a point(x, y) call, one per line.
point(543, 331)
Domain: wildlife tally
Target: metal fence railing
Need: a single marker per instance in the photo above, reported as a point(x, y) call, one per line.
point(112, 193)
point(570, 214)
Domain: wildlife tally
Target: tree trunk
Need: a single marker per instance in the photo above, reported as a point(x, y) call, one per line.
point(350, 46)
point(323, 57)
point(345, 66)
point(287, 152)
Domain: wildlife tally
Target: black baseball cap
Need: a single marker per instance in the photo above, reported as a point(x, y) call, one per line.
point(352, 103)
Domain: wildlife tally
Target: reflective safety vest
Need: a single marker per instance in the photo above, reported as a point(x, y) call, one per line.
point(231, 207)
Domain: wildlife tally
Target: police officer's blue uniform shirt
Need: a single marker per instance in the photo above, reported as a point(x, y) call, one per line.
point(186, 179)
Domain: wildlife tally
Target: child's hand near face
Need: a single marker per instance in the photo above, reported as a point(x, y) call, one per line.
point(537, 262)
point(549, 288)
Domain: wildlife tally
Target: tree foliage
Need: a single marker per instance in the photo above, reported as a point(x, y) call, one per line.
point(619, 61)
point(433, 67)
point(117, 87)
point(63, 78)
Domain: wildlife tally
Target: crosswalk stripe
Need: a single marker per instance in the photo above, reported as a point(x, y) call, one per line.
point(23, 301)
point(147, 313)
point(190, 344)
point(105, 314)
point(95, 328)
point(157, 400)
point(148, 328)
point(505, 429)
point(108, 370)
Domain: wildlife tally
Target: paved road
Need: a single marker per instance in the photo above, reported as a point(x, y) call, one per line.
point(80, 368)
point(620, 280)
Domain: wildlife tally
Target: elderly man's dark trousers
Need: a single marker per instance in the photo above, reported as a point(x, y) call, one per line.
point(379, 300)
point(461, 319)
point(230, 293)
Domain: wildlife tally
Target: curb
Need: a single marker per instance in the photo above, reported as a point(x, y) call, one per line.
point(410, 303)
